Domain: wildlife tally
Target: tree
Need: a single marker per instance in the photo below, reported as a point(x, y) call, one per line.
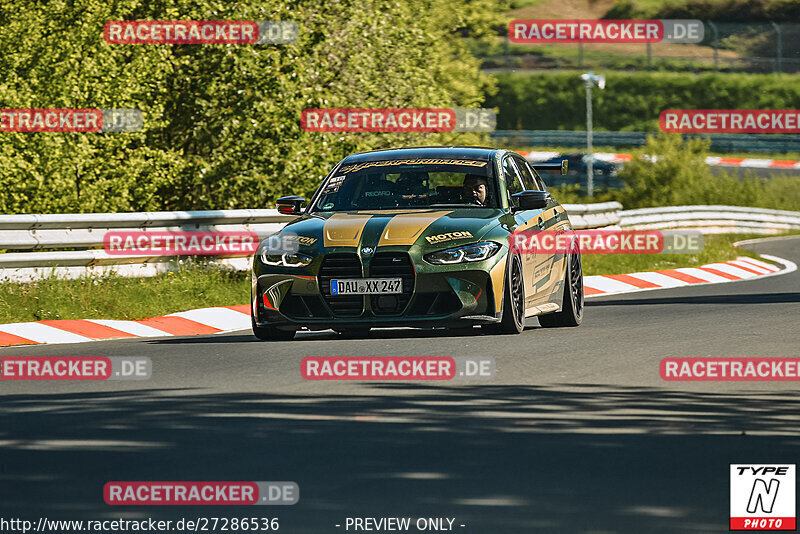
point(222, 126)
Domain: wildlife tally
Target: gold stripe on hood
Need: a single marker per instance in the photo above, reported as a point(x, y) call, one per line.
point(405, 228)
point(344, 229)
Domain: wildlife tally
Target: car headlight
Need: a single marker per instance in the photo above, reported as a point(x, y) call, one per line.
point(466, 253)
point(284, 259)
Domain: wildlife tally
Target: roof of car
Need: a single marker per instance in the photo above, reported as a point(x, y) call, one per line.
point(456, 152)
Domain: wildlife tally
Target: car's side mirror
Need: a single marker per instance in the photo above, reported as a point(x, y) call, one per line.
point(291, 205)
point(532, 200)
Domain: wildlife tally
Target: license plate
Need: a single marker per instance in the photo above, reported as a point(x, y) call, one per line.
point(367, 286)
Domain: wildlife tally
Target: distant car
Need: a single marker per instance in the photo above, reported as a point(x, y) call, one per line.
point(416, 237)
point(605, 173)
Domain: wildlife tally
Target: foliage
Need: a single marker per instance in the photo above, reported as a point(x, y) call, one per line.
point(631, 101)
point(679, 176)
point(221, 121)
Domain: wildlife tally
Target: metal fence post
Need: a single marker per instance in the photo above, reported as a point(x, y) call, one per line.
point(715, 42)
point(589, 166)
point(778, 50)
point(508, 50)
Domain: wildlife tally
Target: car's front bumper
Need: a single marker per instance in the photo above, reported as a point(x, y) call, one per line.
point(433, 296)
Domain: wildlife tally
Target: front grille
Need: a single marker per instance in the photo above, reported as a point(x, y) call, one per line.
point(392, 265)
point(341, 266)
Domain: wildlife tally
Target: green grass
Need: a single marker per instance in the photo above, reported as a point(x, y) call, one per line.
point(114, 297)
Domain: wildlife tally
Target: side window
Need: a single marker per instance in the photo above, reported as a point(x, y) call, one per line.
point(530, 180)
point(513, 181)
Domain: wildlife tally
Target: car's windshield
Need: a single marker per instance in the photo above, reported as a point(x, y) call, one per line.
point(381, 185)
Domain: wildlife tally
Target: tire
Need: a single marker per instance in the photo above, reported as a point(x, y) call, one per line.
point(571, 313)
point(270, 333)
point(513, 321)
point(353, 333)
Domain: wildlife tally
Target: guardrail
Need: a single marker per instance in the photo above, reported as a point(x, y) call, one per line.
point(85, 231)
point(711, 219)
point(587, 216)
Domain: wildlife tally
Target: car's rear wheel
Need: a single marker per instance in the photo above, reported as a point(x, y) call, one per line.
point(270, 333)
point(513, 319)
point(571, 313)
point(352, 333)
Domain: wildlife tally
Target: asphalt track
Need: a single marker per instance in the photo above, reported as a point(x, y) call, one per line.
point(576, 434)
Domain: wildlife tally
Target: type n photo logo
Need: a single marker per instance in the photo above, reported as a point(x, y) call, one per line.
point(763, 497)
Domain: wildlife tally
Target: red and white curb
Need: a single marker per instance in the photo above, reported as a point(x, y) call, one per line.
point(188, 323)
point(232, 318)
point(753, 163)
point(742, 268)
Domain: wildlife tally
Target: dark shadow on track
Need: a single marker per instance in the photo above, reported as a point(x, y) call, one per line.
point(749, 298)
point(500, 459)
point(324, 335)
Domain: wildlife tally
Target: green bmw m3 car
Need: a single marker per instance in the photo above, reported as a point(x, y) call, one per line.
point(417, 237)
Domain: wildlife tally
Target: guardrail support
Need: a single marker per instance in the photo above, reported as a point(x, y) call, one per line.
point(778, 48)
point(715, 44)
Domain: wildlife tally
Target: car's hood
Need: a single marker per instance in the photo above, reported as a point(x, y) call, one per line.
point(430, 228)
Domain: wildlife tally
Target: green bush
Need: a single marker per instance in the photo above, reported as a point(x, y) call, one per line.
point(575, 194)
point(630, 101)
point(678, 176)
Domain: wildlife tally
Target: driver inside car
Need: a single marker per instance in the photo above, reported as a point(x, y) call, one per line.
point(476, 189)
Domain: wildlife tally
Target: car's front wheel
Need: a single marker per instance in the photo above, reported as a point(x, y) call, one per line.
point(571, 313)
point(270, 333)
point(513, 321)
